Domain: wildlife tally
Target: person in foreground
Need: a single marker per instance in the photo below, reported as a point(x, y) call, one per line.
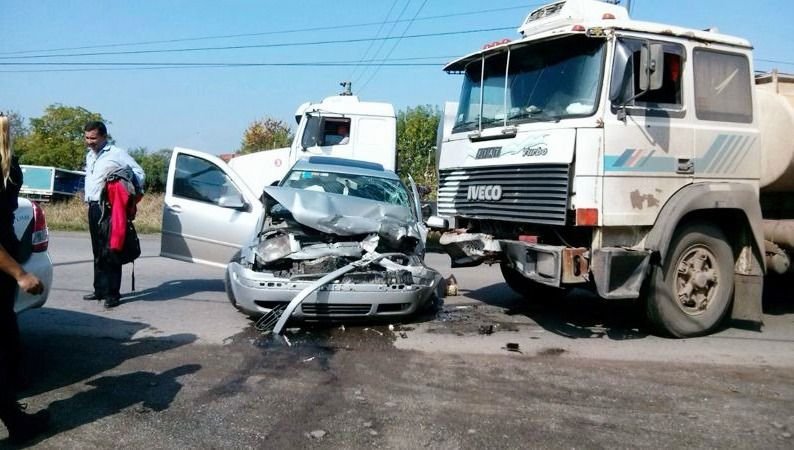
point(20, 425)
point(101, 159)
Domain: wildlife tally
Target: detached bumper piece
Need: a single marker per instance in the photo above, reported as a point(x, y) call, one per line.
point(469, 249)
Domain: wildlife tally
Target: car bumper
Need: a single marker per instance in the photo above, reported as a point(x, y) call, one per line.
point(258, 292)
point(38, 264)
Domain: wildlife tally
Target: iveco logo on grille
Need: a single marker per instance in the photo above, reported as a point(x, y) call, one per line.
point(492, 192)
point(488, 152)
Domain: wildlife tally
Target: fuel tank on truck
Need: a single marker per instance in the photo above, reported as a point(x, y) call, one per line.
point(775, 94)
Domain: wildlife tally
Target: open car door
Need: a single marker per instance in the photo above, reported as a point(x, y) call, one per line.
point(208, 212)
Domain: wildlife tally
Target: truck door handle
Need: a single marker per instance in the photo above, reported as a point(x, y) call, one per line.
point(685, 166)
point(175, 208)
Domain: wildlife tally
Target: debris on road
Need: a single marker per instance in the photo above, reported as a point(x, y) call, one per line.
point(452, 285)
point(486, 329)
point(512, 347)
point(316, 434)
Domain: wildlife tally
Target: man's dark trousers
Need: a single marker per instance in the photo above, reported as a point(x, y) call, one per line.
point(107, 275)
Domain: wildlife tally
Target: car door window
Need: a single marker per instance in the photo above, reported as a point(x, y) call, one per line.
point(200, 180)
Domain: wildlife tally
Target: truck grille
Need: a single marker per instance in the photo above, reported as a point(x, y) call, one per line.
point(532, 193)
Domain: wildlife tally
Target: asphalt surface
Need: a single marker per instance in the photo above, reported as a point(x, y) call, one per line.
point(175, 366)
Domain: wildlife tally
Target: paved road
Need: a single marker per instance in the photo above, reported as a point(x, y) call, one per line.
point(176, 366)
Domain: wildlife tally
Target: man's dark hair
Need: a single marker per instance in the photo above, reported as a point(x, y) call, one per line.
point(96, 125)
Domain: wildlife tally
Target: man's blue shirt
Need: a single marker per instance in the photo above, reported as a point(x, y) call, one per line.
point(99, 164)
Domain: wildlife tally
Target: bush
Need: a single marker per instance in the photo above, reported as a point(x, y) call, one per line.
point(72, 215)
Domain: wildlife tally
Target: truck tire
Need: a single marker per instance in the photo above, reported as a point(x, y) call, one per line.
point(529, 289)
point(690, 293)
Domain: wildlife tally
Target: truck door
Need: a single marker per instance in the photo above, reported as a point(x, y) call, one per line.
point(727, 145)
point(208, 211)
point(648, 138)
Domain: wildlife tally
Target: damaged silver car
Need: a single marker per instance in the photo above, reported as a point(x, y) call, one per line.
point(346, 234)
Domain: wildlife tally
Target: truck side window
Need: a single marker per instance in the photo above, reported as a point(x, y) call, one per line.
point(722, 86)
point(627, 64)
point(199, 179)
point(336, 131)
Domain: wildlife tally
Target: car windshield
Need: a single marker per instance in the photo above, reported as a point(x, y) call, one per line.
point(549, 80)
point(385, 190)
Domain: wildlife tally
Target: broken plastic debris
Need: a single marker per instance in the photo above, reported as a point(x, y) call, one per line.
point(452, 286)
point(512, 347)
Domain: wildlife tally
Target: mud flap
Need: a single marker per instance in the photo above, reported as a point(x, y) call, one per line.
point(747, 298)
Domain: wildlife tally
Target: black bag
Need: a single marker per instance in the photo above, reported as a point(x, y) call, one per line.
point(131, 249)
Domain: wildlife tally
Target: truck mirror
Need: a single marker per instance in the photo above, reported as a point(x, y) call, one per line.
point(651, 67)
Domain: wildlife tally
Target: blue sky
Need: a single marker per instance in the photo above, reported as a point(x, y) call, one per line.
point(209, 108)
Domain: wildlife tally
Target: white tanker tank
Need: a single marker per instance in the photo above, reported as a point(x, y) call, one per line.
point(775, 94)
point(775, 99)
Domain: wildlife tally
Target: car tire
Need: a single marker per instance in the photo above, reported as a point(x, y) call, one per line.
point(690, 294)
point(227, 283)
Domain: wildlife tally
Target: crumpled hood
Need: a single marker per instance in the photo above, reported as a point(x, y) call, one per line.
point(345, 215)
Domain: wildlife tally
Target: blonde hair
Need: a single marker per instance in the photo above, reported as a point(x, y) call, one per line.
point(5, 149)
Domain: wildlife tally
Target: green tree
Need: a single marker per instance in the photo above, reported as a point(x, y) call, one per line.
point(154, 165)
point(56, 138)
point(416, 141)
point(266, 134)
point(19, 128)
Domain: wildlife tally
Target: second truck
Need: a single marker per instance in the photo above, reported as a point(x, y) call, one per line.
point(637, 159)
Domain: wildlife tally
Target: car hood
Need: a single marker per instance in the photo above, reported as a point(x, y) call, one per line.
point(345, 215)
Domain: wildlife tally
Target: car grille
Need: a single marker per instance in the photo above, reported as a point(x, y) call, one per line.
point(335, 309)
point(529, 193)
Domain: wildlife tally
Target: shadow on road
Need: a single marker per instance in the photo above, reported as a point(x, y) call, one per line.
point(174, 289)
point(65, 347)
point(577, 315)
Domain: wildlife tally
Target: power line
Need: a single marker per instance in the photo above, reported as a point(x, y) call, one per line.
point(238, 47)
point(397, 42)
point(382, 42)
point(775, 61)
point(268, 33)
point(377, 34)
point(84, 66)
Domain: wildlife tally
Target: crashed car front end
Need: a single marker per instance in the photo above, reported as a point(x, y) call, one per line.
point(306, 235)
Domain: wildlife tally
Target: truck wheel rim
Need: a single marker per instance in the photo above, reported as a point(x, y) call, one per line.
point(697, 279)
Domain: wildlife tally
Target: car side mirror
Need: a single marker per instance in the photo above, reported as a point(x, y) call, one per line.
point(233, 201)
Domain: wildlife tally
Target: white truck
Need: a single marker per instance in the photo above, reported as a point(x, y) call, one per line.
point(636, 159)
point(201, 186)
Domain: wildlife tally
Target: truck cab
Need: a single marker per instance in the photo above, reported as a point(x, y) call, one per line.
point(211, 207)
point(602, 152)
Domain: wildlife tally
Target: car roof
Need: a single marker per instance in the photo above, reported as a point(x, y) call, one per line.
point(343, 165)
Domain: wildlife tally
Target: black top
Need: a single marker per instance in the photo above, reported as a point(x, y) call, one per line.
point(8, 204)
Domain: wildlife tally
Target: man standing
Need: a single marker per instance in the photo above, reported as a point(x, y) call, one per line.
point(102, 159)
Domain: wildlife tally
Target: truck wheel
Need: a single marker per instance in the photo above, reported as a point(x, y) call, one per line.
point(527, 288)
point(690, 294)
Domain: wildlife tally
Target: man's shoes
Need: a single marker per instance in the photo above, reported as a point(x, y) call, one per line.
point(21, 426)
point(92, 296)
point(112, 302)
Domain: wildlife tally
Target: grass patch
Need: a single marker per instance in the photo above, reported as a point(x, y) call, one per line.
point(72, 215)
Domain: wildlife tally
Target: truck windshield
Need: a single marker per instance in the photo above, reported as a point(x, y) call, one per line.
point(549, 80)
